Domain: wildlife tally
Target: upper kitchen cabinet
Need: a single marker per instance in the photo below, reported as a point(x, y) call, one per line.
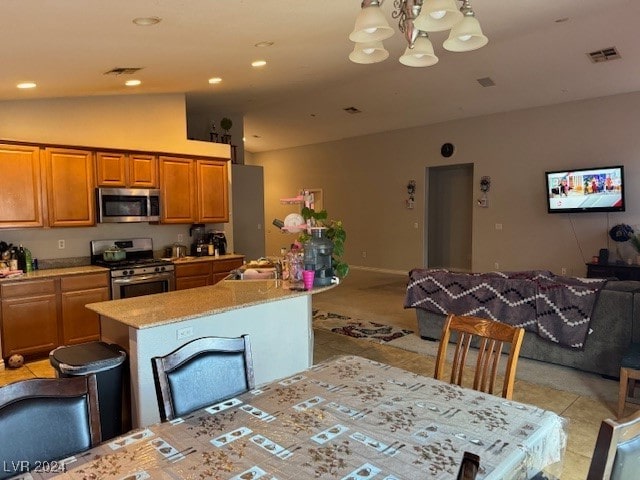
point(69, 175)
point(213, 195)
point(177, 190)
point(122, 170)
point(21, 200)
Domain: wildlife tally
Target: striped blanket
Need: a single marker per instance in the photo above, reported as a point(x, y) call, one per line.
point(555, 308)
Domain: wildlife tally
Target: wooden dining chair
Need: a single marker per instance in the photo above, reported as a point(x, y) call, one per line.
point(469, 466)
point(616, 455)
point(202, 372)
point(45, 419)
point(491, 337)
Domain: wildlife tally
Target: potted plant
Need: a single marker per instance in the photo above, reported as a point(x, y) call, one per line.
point(226, 125)
point(335, 232)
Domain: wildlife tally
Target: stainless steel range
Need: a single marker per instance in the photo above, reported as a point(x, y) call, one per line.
point(139, 273)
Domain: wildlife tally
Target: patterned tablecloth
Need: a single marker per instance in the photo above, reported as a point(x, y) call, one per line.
point(348, 418)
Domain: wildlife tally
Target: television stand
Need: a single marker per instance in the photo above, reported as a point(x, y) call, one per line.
point(621, 271)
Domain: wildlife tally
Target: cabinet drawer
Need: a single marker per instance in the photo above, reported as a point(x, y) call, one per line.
point(84, 282)
point(193, 269)
point(226, 265)
point(28, 288)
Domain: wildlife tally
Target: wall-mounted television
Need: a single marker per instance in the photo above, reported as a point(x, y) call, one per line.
point(598, 189)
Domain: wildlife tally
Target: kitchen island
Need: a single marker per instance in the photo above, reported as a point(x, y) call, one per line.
point(277, 319)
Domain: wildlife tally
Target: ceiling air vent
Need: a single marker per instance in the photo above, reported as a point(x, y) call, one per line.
point(352, 110)
point(486, 82)
point(603, 55)
point(123, 71)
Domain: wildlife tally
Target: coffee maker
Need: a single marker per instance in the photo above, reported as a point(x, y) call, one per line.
point(219, 241)
point(198, 242)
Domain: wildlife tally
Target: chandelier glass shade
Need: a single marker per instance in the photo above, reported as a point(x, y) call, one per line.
point(415, 19)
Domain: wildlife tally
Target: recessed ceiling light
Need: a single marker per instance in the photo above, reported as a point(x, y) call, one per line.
point(263, 44)
point(259, 63)
point(562, 20)
point(25, 85)
point(146, 21)
point(215, 80)
point(132, 83)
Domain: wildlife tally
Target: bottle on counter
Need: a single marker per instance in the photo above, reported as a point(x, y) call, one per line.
point(20, 255)
point(13, 260)
point(28, 260)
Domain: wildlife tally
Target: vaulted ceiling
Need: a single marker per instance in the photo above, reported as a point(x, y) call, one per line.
point(537, 55)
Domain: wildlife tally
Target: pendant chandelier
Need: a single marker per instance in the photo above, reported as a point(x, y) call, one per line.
point(415, 19)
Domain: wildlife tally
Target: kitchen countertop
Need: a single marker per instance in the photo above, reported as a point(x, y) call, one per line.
point(205, 258)
point(171, 307)
point(55, 272)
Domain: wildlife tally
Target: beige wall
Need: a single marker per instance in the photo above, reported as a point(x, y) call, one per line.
point(144, 122)
point(364, 181)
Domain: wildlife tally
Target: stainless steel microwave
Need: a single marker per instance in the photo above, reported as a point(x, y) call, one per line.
point(121, 205)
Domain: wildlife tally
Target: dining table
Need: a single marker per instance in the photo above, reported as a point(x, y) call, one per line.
point(347, 418)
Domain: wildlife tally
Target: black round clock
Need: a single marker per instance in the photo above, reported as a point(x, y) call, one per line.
point(447, 149)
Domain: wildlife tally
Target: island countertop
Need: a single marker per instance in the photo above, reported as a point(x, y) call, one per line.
point(165, 308)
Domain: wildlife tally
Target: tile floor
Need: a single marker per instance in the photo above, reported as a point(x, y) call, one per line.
point(364, 293)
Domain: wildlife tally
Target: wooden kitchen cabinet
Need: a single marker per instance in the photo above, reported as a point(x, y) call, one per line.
point(213, 195)
point(123, 170)
point(192, 275)
point(201, 273)
point(177, 190)
point(79, 324)
point(69, 175)
point(29, 317)
point(222, 268)
point(21, 197)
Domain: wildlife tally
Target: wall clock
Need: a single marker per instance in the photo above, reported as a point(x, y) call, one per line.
point(447, 149)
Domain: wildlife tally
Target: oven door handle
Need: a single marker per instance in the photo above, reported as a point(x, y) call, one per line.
point(142, 278)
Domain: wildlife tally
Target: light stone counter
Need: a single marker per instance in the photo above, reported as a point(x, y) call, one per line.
point(55, 272)
point(277, 320)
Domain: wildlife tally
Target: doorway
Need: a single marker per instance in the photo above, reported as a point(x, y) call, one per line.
point(449, 212)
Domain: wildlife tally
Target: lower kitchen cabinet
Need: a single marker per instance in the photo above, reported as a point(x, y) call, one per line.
point(40, 315)
point(79, 324)
point(29, 317)
point(201, 273)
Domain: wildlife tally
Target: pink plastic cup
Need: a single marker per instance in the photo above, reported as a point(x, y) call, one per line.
point(307, 277)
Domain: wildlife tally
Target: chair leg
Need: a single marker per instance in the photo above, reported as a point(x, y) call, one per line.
point(622, 394)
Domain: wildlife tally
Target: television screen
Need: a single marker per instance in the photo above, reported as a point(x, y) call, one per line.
point(586, 190)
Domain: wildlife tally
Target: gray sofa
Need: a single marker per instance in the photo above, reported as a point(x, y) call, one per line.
point(615, 322)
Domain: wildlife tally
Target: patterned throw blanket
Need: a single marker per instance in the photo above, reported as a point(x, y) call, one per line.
point(556, 308)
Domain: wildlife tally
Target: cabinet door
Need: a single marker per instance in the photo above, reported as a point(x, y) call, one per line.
point(21, 197)
point(177, 189)
point(111, 169)
point(29, 325)
point(192, 275)
point(213, 196)
point(143, 171)
point(70, 194)
point(80, 324)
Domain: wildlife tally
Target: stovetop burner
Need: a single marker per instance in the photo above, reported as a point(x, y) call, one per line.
point(141, 262)
point(139, 256)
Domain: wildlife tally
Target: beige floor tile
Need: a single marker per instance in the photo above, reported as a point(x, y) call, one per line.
point(575, 466)
point(9, 375)
point(544, 397)
point(42, 369)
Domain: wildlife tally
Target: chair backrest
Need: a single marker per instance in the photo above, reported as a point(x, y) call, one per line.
point(469, 466)
point(491, 337)
point(202, 372)
point(44, 419)
point(616, 455)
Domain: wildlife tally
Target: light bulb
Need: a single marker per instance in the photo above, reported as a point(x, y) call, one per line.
point(368, 51)
point(370, 30)
point(464, 38)
point(438, 14)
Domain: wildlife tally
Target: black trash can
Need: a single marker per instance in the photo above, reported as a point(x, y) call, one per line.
point(107, 361)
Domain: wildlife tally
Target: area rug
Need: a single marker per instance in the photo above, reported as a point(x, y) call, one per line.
point(532, 371)
point(356, 328)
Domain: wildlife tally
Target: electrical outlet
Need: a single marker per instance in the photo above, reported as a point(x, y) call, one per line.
point(563, 271)
point(364, 254)
point(496, 266)
point(61, 244)
point(498, 226)
point(185, 332)
point(180, 237)
point(415, 225)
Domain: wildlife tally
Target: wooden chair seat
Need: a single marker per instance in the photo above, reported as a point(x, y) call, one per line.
point(491, 336)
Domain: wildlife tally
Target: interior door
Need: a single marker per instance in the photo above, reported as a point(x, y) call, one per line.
point(449, 216)
point(248, 210)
